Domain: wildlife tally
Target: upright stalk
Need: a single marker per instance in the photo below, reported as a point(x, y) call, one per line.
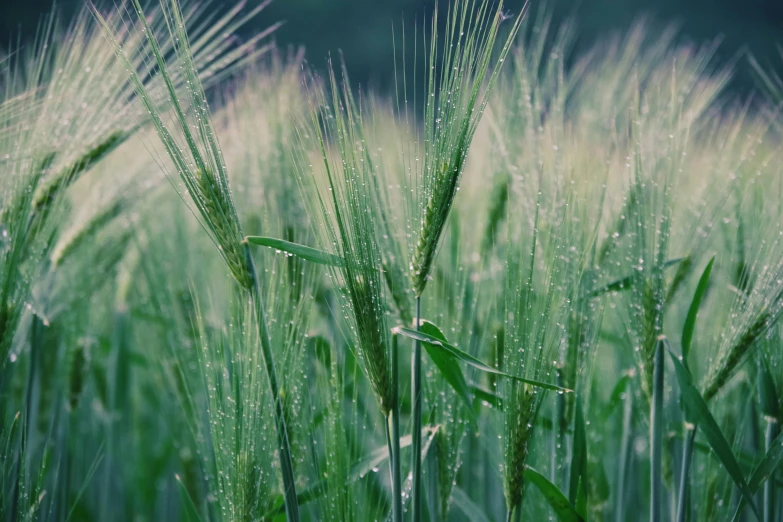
point(393, 436)
point(22, 467)
point(416, 499)
point(560, 449)
point(622, 471)
point(656, 435)
point(687, 456)
point(769, 485)
point(283, 446)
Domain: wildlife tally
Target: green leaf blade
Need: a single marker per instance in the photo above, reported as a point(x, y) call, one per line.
point(476, 363)
point(301, 251)
point(447, 366)
point(697, 408)
point(562, 507)
point(690, 320)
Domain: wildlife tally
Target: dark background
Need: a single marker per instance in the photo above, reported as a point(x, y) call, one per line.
point(362, 29)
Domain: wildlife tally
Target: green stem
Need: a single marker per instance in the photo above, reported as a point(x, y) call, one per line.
point(656, 436)
point(20, 485)
point(393, 436)
point(286, 462)
point(416, 499)
point(769, 485)
point(622, 471)
point(560, 432)
point(687, 456)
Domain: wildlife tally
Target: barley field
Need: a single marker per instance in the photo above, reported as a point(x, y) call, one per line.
point(530, 284)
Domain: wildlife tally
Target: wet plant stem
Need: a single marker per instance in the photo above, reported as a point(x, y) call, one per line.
point(769, 486)
point(284, 448)
point(416, 434)
point(656, 435)
point(393, 435)
point(687, 456)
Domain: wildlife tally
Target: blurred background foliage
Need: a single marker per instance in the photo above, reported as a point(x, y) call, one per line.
point(362, 29)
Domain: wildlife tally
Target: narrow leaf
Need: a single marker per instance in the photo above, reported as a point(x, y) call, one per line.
point(304, 252)
point(616, 396)
point(563, 509)
point(690, 320)
point(190, 511)
point(448, 366)
point(697, 408)
point(763, 471)
point(469, 359)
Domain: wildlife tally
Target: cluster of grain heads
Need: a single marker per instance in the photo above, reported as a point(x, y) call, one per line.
point(202, 169)
point(139, 352)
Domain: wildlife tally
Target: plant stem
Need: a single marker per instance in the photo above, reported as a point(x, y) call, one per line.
point(656, 435)
point(22, 468)
point(561, 451)
point(687, 455)
point(393, 436)
point(625, 441)
point(416, 499)
point(769, 484)
point(286, 462)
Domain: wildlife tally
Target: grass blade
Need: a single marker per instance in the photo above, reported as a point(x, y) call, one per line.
point(301, 251)
point(698, 410)
point(453, 351)
point(563, 508)
point(687, 457)
point(448, 366)
point(690, 320)
point(764, 471)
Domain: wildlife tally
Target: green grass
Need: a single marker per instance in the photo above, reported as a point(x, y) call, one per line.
point(214, 264)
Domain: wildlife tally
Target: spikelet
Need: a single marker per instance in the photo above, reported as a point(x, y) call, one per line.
point(519, 435)
point(456, 98)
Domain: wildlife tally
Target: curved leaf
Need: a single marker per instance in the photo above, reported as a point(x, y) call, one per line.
point(700, 413)
point(448, 367)
point(690, 320)
point(763, 471)
point(304, 252)
point(453, 351)
point(563, 509)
